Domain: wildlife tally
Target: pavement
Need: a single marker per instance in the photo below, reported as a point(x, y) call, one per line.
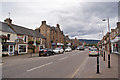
point(75, 64)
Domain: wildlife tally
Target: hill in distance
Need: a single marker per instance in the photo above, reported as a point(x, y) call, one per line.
point(87, 41)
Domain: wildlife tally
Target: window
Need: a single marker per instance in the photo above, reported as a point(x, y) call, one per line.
point(25, 39)
point(22, 48)
point(8, 35)
point(4, 48)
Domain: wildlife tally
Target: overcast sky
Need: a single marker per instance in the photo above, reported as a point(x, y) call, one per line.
point(77, 19)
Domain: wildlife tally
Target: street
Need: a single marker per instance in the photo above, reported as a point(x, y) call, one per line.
point(75, 64)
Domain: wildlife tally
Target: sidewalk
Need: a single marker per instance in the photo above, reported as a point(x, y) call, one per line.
point(20, 56)
point(90, 69)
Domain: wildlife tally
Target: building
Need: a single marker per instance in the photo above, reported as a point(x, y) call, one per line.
point(115, 37)
point(8, 37)
point(76, 42)
point(54, 35)
point(22, 40)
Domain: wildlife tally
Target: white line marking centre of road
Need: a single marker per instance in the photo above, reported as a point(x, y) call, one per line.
point(39, 66)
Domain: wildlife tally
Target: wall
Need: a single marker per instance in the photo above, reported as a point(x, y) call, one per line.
point(12, 36)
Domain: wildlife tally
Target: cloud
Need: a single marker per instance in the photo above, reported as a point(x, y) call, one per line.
point(77, 19)
point(86, 18)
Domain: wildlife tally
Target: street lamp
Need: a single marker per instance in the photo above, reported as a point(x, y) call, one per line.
point(109, 41)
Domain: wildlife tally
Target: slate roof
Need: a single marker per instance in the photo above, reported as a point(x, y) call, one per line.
point(19, 30)
point(26, 31)
point(5, 28)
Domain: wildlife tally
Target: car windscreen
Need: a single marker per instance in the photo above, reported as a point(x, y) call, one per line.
point(93, 49)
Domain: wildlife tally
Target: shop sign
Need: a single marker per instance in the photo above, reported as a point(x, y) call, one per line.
point(59, 44)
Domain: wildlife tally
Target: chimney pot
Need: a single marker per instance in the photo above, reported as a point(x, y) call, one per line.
point(8, 21)
point(43, 22)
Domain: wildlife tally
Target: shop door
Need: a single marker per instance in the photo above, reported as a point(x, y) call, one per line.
point(11, 49)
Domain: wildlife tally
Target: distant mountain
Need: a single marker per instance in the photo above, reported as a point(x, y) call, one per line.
point(89, 41)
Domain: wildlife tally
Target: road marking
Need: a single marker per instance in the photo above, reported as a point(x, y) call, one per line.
point(73, 54)
point(63, 58)
point(39, 66)
point(80, 67)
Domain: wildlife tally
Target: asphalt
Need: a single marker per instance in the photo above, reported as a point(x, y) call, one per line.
point(75, 64)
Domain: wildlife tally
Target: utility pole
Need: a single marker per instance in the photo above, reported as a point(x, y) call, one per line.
point(108, 42)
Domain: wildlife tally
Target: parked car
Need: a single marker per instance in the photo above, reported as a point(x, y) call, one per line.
point(46, 52)
point(89, 48)
point(93, 52)
point(68, 49)
point(81, 48)
point(58, 50)
point(78, 48)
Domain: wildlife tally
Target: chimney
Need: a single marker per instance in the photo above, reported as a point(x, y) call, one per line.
point(67, 36)
point(112, 30)
point(8, 21)
point(58, 25)
point(43, 22)
point(118, 24)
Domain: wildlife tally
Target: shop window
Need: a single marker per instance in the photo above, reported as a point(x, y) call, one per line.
point(11, 48)
point(22, 48)
point(4, 48)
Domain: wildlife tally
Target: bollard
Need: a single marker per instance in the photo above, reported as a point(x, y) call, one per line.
point(98, 65)
point(108, 60)
point(104, 56)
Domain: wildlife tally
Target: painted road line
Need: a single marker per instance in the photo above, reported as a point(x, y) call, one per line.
point(81, 67)
point(39, 66)
point(63, 58)
point(73, 54)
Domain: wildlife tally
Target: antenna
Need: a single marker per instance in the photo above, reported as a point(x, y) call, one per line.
point(9, 14)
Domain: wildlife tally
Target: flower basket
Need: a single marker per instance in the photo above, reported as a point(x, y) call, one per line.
point(30, 42)
point(38, 42)
point(4, 38)
point(31, 47)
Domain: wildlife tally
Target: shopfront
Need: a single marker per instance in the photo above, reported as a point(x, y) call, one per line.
point(22, 48)
point(8, 48)
point(115, 45)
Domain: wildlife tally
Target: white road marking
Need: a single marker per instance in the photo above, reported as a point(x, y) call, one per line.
point(73, 54)
point(39, 66)
point(63, 58)
point(81, 67)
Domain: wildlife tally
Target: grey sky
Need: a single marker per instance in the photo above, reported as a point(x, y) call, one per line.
point(77, 19)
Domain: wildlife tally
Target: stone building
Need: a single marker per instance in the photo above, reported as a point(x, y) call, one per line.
point(24, 40)
point(76, 42)
point(54, 35)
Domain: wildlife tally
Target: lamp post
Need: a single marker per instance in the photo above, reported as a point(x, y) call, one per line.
point(108, 41)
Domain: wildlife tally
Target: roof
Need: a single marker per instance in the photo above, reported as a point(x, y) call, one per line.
point(5, 28)
point(19, 30)
point(26, 31)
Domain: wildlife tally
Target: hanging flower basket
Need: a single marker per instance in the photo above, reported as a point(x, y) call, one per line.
point(30, 42)
point(4, 38)
point(37, 42)
point(31, 47)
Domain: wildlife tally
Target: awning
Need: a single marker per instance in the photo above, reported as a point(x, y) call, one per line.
point(8, 43)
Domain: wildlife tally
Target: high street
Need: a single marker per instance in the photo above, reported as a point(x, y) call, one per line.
point(75, 64)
